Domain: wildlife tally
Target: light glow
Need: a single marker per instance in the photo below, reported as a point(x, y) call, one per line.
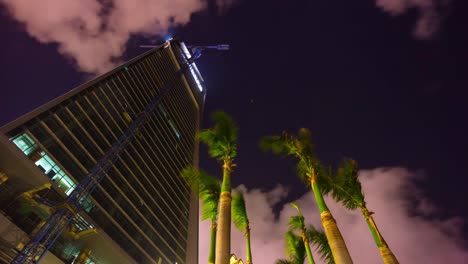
point(193, 68)
point(196, 76)
point(185, 50)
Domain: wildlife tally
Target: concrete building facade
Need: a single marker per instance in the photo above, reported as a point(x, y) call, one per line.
point(142, 211)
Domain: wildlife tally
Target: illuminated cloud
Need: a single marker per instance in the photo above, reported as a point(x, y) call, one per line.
point(429, 16)
point(414, 238)
point(94, 33)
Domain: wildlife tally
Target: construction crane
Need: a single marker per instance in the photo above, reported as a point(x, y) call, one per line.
point(197, 50)
point(65, 212)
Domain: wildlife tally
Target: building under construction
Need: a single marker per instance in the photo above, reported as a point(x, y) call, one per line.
point(141, 211)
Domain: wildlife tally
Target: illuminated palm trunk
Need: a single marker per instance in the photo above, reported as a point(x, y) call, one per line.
point(248, 251)
point(387, 255)
point(335, 239)
point(211, 255)
point(307, 248)
point(223, 234)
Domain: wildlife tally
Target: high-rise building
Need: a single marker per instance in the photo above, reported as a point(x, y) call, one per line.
point(142, 211)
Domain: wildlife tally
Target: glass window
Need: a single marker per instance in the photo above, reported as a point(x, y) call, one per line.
point(25, 143)
point(55, 173)
point(162, 109)
point(174, 129)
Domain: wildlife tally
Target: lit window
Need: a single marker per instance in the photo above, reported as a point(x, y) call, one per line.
point(55, 173)
point(25, 143)
point(45, 163)
point(49, 167)
point(162, 109)
point(174, 129)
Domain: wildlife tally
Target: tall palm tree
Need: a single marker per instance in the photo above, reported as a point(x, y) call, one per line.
point(295, 250)
point(221, 140)
point(346, 188)
point(311, 171)
point(241, 221)
point(297, 223)
point(208, 189)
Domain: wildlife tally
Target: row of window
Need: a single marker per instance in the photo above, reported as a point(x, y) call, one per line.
point(25, 143)
point(145, 179)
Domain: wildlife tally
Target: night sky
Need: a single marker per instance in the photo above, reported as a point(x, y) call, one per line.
point(365, 85)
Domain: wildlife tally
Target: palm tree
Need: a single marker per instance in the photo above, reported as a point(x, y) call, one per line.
point(310, 234)
point(222, 145)
point(346, 188)
point(319, 239)
point(311, 171)
point(208, 189)
point(297, 223)
point(241, 221)
point(295, 250)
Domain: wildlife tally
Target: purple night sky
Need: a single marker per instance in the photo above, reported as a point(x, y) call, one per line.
point(382, 81)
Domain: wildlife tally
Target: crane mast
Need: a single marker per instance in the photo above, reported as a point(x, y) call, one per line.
point(65, 212)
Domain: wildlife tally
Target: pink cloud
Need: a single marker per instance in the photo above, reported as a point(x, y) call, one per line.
point(429, 18)
point(414, 239)
point(94, 33)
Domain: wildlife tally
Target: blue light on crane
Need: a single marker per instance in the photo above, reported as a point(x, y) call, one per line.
point(167, 37)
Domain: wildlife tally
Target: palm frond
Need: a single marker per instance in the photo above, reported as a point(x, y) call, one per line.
point(302, 170)
point(209, 205)
point(345, 185)
point(300, 147)
point(213, 141)
point(319, 239)
point(295, 206)
point(296, 222)
point(305, 136)
point(191, 176)
point(225, 125)
point(208, 189)
point(295, 249)
point(303, 142)
point(324, 174)
point(277, 144)
point(283, 261)
point(221, 138)
point(239, 212)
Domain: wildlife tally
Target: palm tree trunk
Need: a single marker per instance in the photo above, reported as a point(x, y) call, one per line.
point(223, 234)
point(307, 248)
point(248, 251)
point(335, 239)
point(387, 255)
point(211, 255)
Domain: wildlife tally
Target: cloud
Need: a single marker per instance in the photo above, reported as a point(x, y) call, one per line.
point(401, 212)
point(94, 33)
point(429, 16)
